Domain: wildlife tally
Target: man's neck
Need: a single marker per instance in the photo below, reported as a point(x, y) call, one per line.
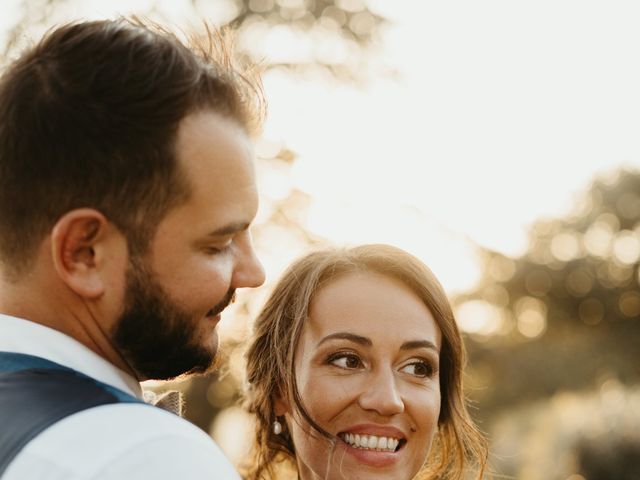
point(61, 311)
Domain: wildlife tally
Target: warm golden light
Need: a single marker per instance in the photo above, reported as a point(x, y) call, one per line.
point(531, 315)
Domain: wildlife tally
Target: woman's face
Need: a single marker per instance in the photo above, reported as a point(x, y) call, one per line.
point(367, 372)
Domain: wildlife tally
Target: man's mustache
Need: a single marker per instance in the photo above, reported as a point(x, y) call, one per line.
point(227, 300)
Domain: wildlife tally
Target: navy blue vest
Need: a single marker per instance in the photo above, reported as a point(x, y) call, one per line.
point(36, 393)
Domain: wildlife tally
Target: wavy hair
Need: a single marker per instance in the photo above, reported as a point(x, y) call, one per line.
point(459, 448)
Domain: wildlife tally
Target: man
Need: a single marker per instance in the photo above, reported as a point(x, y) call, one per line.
point(126, 194)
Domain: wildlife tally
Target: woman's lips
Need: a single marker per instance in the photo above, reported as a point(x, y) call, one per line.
point(373, 458)
point(373, 445)
point(376, 430)
point(371, 442)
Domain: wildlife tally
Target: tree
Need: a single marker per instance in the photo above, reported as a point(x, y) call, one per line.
point(562, 319)
point(329, 34)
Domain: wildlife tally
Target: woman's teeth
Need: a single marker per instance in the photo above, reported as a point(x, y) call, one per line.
point(371, 442)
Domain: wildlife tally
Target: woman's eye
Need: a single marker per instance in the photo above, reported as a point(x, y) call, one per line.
point(347, 361)
point(419, 368)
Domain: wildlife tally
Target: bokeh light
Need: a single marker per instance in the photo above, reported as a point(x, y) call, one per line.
point(532, 316)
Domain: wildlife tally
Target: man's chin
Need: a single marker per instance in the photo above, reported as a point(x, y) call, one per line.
point(192, 362)
point(212, 362)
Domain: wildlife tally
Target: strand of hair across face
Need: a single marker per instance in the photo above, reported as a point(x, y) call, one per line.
point(330, 457)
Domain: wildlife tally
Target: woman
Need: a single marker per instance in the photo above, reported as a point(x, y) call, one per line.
point(355, 371)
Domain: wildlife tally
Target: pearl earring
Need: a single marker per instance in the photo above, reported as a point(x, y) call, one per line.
point(277, 427)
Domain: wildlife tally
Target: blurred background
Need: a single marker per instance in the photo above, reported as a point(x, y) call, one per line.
point(496, 140)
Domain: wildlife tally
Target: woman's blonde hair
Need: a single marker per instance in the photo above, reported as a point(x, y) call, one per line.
point(458, 447)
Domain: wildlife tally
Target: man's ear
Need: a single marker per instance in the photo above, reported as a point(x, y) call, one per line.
point(77, 244)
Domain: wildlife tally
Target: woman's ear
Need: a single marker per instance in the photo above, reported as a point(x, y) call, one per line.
point(281, 406)
point(78, 249)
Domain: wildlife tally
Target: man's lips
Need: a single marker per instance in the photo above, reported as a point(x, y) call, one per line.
point(214, 318)
point(213, 314)
point(228, 299)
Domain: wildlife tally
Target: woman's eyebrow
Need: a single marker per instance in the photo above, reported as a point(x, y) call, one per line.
point(364, 341)
point(415, 344)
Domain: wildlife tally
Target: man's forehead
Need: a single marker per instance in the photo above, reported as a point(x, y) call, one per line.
point(215, 158)
point(209, 127)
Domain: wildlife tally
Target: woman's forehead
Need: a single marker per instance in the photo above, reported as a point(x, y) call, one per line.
point(372, 305)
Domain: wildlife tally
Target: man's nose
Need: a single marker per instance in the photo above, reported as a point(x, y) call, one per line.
point(381, 394)
point(248, 271)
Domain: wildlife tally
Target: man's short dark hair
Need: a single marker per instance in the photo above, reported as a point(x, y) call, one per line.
point(89, 118)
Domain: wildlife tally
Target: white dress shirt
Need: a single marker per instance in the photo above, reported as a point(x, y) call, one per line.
point(110, 442)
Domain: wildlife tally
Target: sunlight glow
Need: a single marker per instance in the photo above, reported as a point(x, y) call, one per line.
point(481, 135)
point(481, 145)
point(531, 316)
point(235, 445)
point(626, 247)
point(479, 317)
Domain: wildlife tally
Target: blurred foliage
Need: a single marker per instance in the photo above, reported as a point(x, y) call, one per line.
point(566, 314)
point(571, 436)
point(301, 35)
point(564, 317)
point(600, 460)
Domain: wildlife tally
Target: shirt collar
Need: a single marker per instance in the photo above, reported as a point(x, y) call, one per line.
point(23, 336)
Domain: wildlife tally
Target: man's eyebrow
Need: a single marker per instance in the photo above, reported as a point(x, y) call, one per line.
point(229, 229)
point(415, 344)
point(364, 341)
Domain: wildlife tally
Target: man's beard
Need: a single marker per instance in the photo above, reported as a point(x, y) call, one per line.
point(157, 337)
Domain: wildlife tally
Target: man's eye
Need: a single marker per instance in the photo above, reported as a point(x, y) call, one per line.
point(418, 368)
point(345, 360)
point(216, 250)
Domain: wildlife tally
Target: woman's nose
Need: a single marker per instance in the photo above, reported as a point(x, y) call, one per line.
point(381, 394)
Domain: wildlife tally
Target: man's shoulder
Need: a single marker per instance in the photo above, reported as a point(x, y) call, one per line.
point(125, 439)
point(122, 424)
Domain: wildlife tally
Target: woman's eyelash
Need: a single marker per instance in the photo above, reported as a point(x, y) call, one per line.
point(420, 368)
point(346, 360)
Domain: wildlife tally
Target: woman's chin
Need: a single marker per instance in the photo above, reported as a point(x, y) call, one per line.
point(356, 463)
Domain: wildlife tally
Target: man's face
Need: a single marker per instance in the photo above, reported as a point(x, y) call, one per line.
point(201, 253)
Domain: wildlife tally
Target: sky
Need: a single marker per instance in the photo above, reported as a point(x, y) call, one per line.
point(499, 113)
point(502, 113)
